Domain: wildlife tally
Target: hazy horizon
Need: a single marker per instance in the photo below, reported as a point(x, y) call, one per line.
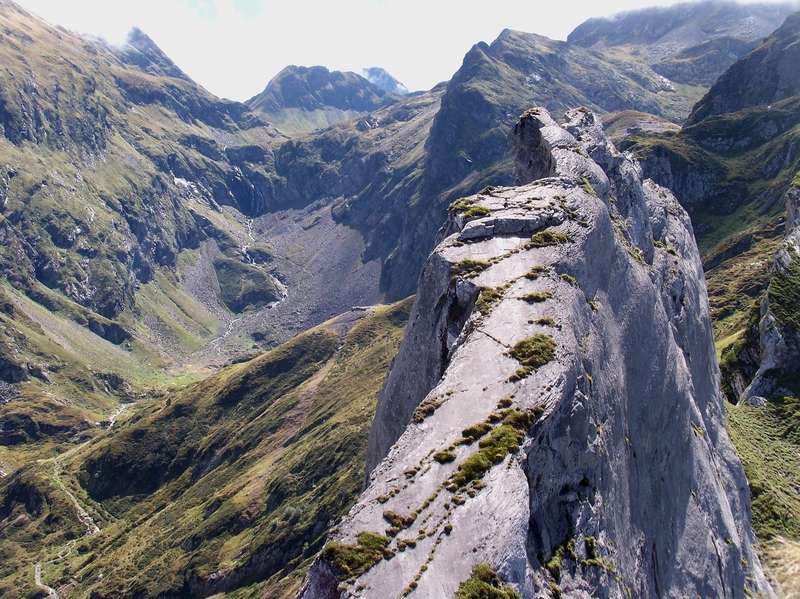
point(234, 47)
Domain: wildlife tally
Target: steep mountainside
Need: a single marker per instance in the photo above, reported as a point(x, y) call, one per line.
point(762, 373)
point(767, 75)
point(304, 99)
point(736, 172)
point(689, 43)
point(554, 417)
point(228, 483)
point(151, 232)
point(123, 194)
point(731, 172)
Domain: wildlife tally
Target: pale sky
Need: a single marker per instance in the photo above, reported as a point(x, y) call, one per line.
point(233, 47)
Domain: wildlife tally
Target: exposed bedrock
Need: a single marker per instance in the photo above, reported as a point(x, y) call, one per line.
point(554, 411)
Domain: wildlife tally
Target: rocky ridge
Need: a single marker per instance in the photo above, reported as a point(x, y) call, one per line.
point(778, 325)
point(586, 456)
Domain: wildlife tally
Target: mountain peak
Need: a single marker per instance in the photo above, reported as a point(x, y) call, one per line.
point(142, 51)
point(384, 80)
point(301, 99)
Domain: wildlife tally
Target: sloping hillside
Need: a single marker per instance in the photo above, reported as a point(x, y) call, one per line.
point(228, 483)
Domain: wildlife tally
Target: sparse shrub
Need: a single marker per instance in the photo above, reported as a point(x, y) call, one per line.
point(546, 321)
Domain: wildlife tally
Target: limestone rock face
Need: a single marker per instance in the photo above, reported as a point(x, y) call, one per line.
point(554, 410)
point(778, 333)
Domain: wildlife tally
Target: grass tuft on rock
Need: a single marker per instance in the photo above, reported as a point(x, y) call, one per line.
point(349, 561)
point(444, 457)
point(488, 297)
point(470, 268)
point(536, 297)
point(425, 409)
point(484, 583)
point(535, 272)
point(588, 188)
point(569, 279)
point(475, 432)
point(492, 450)
point(532, 353)
point(548, 237)
point(469, 209)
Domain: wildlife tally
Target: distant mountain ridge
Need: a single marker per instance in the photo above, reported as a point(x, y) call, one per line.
point(769, 74)
point(303, 99)
point(691, 43)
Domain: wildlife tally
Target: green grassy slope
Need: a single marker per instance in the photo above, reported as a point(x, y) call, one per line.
point(228, 485)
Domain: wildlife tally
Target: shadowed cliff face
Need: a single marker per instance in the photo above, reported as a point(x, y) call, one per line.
point(554, 411)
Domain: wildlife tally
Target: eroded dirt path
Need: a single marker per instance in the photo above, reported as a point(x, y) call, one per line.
point(37, 573)
point(84, 517)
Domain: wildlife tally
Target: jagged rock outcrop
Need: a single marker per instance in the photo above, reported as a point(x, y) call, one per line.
point(554, 411)
point(779, 325)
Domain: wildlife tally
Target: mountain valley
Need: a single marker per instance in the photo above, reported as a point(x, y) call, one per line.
point(219, 317)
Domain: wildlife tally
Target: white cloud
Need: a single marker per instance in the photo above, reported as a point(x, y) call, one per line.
point(233, 47)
